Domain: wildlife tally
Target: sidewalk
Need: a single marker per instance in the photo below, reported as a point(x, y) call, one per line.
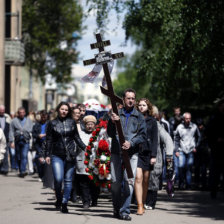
point(24, 201)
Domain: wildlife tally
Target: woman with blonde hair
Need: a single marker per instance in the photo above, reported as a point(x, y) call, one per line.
point(147, 154)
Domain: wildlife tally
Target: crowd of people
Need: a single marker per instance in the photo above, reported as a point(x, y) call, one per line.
point(162, 152)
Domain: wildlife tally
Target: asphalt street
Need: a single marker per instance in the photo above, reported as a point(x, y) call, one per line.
point(25, 201)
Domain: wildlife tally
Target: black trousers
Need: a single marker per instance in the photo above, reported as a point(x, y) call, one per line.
point(151, 198)
point(89, 191)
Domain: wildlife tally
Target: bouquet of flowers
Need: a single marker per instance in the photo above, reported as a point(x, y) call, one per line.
point(97, 157)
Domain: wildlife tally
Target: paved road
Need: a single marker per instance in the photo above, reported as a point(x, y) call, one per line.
point(24, 201)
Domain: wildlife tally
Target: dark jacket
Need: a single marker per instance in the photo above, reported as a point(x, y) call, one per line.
point(152, 134)
point(61, 138)
point(134, 132)
point(37, 141)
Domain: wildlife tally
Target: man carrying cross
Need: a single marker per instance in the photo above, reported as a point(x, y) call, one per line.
point(134, 129)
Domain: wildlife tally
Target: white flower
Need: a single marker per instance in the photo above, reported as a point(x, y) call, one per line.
point(109, 177)
point(103, 158)
point(102, 131)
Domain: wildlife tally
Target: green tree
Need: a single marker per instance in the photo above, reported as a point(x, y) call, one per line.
point(181, 60)
point(47, 25)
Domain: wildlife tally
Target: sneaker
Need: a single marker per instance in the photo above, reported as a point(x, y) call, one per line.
point(148, 207)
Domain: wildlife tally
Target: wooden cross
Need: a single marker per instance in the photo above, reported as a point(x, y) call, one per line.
point(102, 58)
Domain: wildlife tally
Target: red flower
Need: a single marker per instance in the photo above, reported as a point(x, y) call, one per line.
point(103, 185)
point(103, 106)
point(88, 147)
point(91, 140)
point(103, 145)
point(87, 170)
point(109, 186)
point(96, 162)
point(98, 130)
point(94, 133)
point(103, 124)
point(86, 154)
point(90, 177)
point(86, 162)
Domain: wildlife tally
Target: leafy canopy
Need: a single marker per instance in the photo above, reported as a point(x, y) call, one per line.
point(181, 56)
point(48, 28)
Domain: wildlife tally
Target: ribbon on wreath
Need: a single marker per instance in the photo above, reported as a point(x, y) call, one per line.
point(91, 76)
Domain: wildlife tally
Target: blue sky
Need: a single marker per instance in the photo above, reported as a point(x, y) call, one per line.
point(115, 34)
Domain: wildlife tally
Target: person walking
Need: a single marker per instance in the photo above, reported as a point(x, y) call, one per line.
point(147, 154)
point(165, 144)
point(89, 191)
point(2, 146)
point(134, 128)
point(61, 136)
point(186, 140)
point(39, 136)
point(215, 135)
point(19, 137)
point(5, 126)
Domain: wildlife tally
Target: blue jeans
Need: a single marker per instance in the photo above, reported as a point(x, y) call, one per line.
point(122, 188)
point(22, 149)
point(176, 165)
point(62, 171)
point(185, 164)
point(13, 160)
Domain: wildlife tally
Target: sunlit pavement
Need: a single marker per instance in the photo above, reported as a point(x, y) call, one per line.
point(24, 200)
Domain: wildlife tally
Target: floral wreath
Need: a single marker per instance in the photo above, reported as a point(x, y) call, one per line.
point(89, 106)
point(97, 157)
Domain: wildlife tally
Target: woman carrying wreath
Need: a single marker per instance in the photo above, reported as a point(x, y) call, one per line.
point(147, 154)
point(87, 187)
point(61, 136)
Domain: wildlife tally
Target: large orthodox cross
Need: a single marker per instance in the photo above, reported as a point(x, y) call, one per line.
point(103, 58)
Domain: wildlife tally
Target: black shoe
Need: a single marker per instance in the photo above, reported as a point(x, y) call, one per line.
point(58, 204)
point(116, 214)
point(5, 173)
point(86, 205)
point(94, 204)
point(125, 217)
point(22, 175)
point(64, 208)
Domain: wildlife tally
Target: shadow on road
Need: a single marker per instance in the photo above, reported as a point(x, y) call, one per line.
point(194, 203)
point(190, 203)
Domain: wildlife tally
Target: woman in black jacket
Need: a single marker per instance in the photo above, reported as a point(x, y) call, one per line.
point(61, 136)
point(147, 154)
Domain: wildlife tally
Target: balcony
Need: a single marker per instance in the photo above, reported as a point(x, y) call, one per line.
point(14, 52)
